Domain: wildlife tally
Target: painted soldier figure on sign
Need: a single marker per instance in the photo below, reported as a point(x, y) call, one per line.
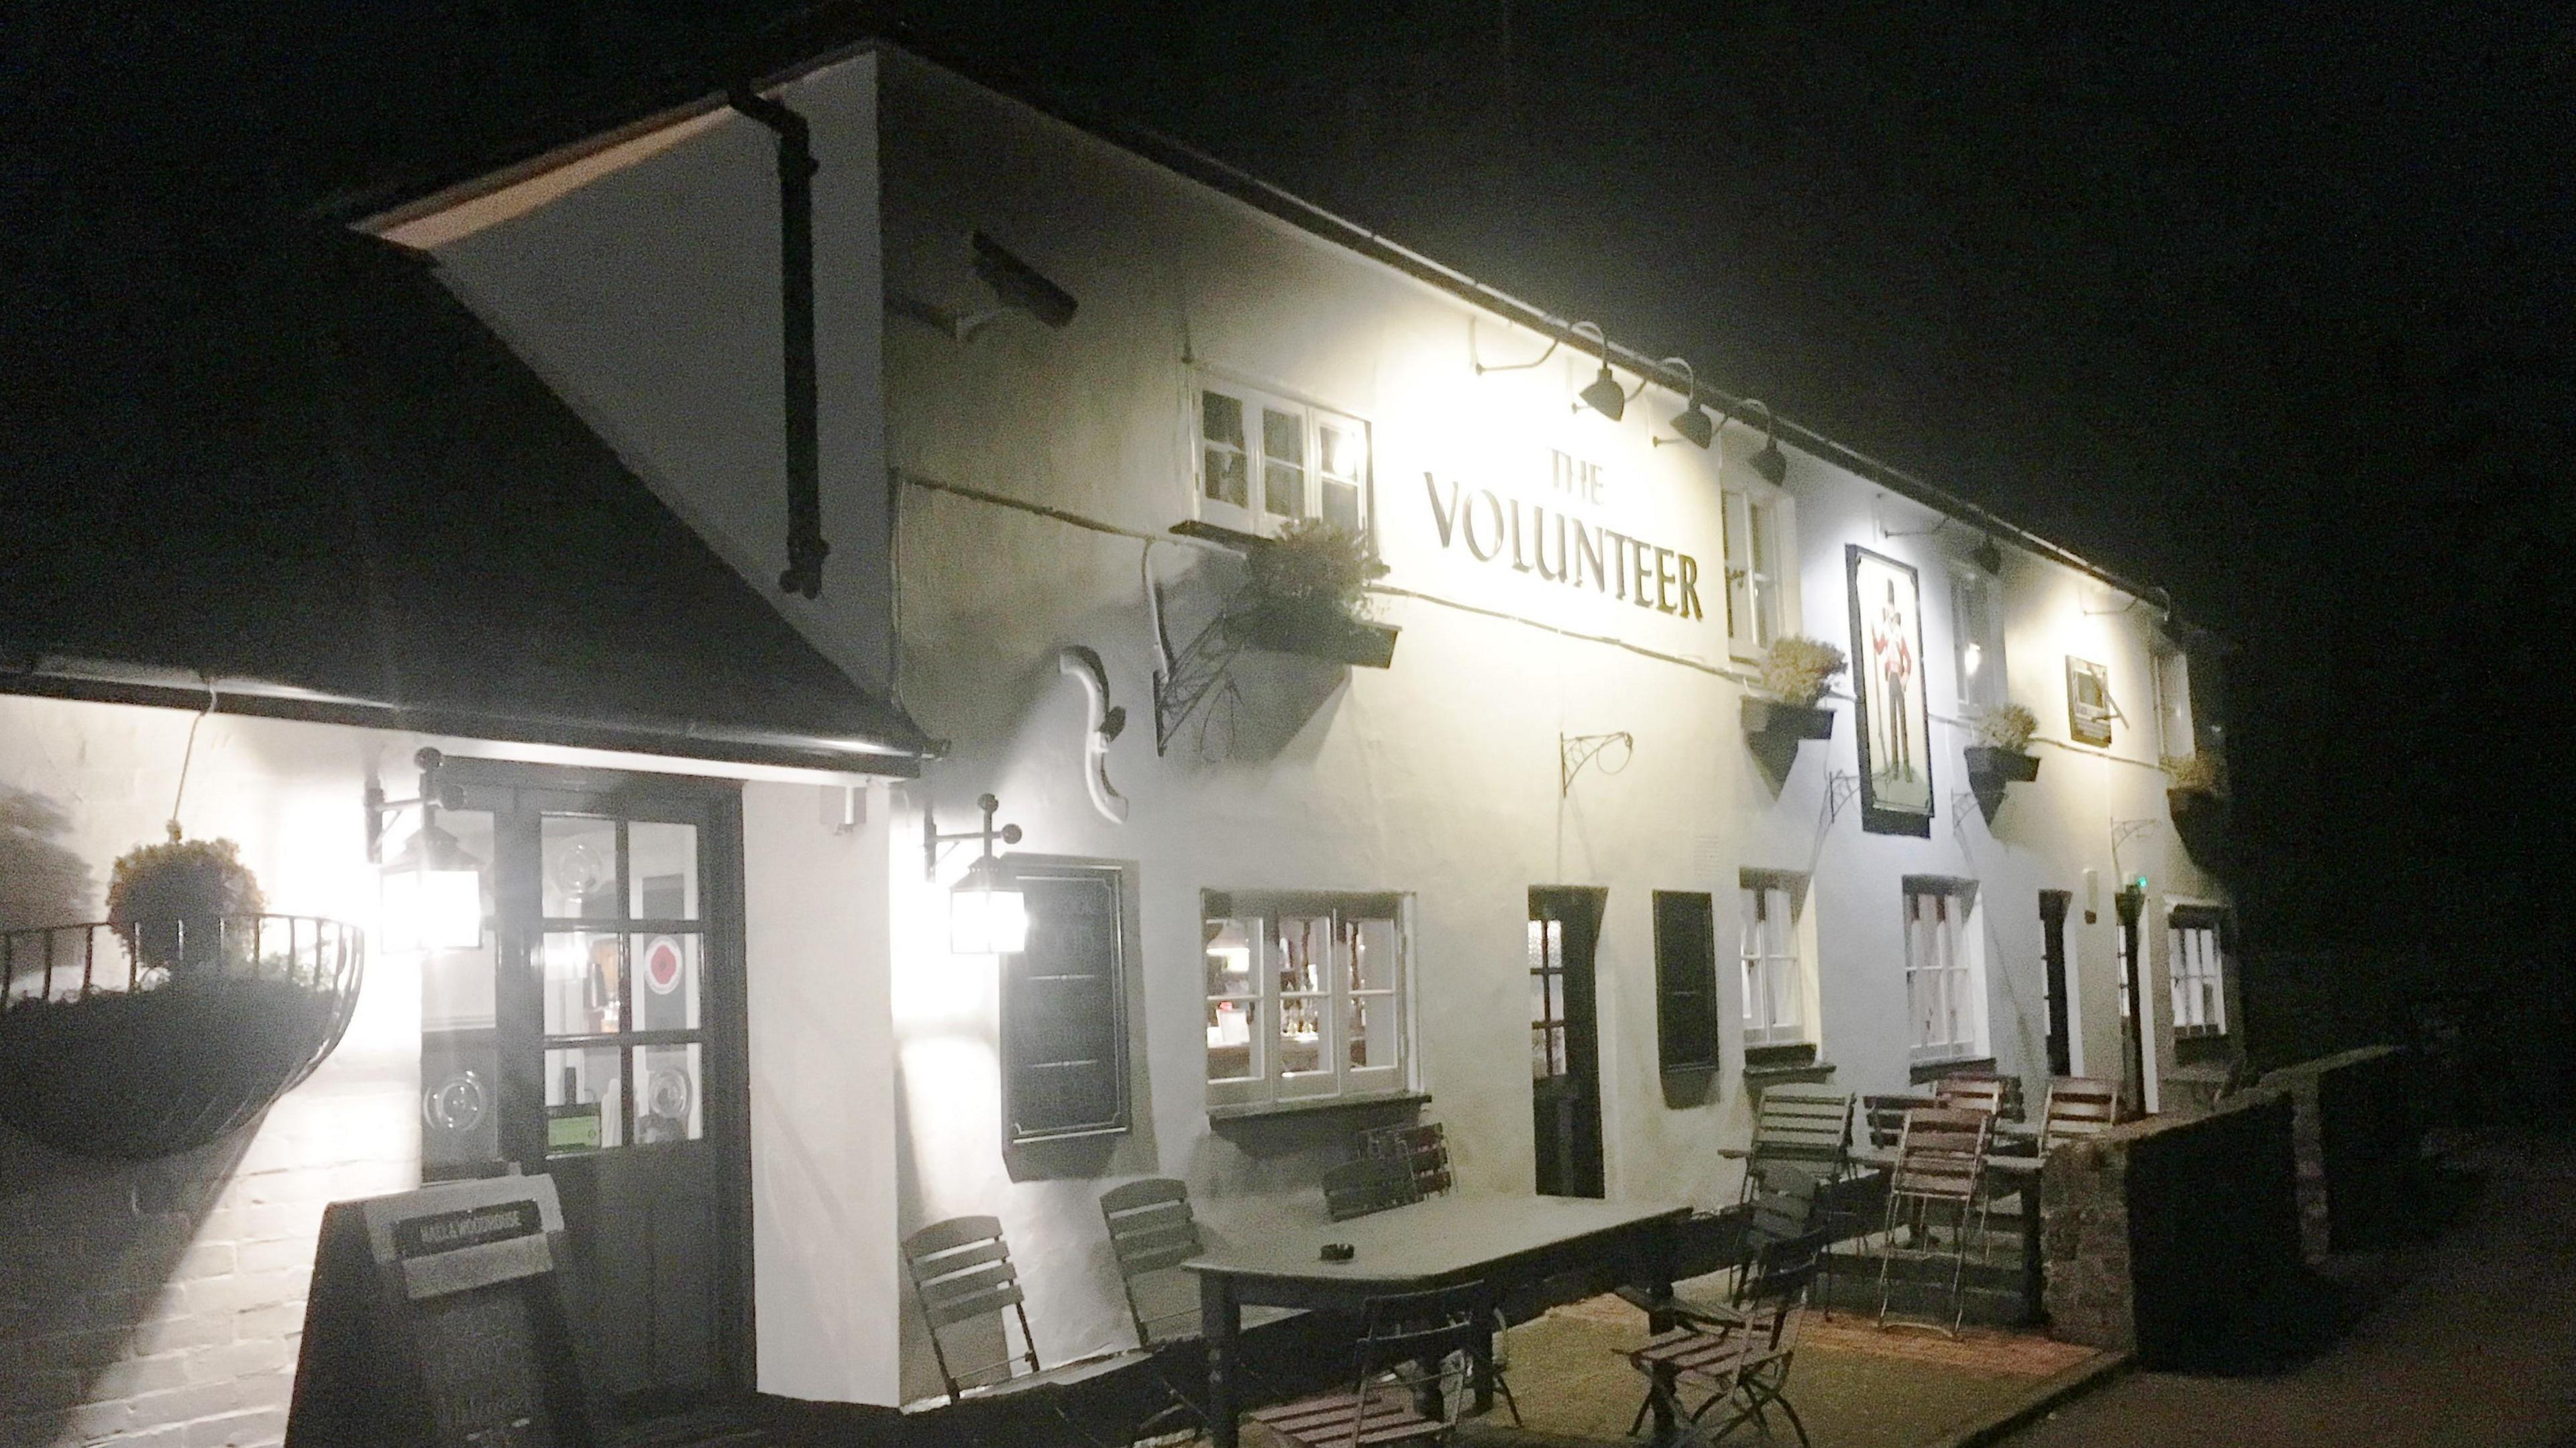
point(1892, 653)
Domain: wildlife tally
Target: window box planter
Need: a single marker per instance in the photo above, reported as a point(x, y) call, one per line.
point(2200, 821)
point(1319, 633)
point(2008, 766)
point(1793, 724)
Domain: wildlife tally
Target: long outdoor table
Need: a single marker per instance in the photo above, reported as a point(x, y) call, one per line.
point(2020, 1177)
point(1442, 1242)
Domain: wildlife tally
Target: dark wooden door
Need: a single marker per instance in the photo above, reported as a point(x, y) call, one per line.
point(1565, 1043)
point(620, 1034)
point(2061, 1011)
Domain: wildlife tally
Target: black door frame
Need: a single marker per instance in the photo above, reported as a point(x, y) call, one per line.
point(2053, 905)
point(1579, 1163)
point(516, 793)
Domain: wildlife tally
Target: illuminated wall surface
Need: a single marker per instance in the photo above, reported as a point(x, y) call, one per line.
point(1552, 572)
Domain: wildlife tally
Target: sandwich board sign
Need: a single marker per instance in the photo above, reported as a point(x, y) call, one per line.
point(435, 1321)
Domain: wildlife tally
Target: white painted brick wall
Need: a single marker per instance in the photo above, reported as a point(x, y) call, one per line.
point(161, 1304)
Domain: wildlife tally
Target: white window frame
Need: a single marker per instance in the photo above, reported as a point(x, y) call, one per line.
point(2174, 735)
point(1943, 952)
point(1313, 422)
point(1268, 920)
point(1757, 542)
point(2196, 972)
point(1769, 970)
point(1977, 626)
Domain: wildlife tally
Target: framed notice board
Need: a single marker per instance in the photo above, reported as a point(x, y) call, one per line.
point(434, 1321)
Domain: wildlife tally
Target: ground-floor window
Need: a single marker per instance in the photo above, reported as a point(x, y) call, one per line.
point(1944, 983)
point(1774, 975)
point(2198, 972)
point(1306, 995)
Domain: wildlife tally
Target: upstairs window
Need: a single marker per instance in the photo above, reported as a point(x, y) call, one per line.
point(1754, 559)
point(2174, 736)
point(1306, 996)
point(1265, 462)
point(1977, 640)
point(1944, 981)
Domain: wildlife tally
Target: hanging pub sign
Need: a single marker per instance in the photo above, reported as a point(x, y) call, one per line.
point(1887, 678)
point(434, 1322)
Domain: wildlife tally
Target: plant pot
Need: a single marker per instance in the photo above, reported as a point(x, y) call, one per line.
point(1775, 719)
point(2010, 766)
point(2200, 821)
point(1325, 633)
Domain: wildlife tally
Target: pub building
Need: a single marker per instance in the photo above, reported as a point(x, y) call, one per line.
point(1526, 848)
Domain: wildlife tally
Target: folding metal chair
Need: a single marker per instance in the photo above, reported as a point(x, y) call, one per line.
point(1738, 1359)
point(1936, 1187)
point(1151, 1233)
point(968, 1291)
point(1997, 1096)
point(1418, 1355)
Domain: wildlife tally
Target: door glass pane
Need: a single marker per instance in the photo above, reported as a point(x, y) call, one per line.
point(459, 1061)
point(666, 981)
point(584, 979)
point(583, 1100)
point(669, 1106)
point(578, 858)
point(662, 863)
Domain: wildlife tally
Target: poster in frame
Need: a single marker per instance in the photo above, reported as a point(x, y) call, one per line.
point(1887, 680)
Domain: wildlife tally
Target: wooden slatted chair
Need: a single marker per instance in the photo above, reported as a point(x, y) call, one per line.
point(1422, 1149)
point(969, 1291)
point(1737, 1360)
point(1417, 1358)
point(1803, 1126)
point(1997, 1096)
point(1152, 1231)
point(1368, 1184)
point(1935, 1190)
point(2077, 1107)
point(1886, 1117)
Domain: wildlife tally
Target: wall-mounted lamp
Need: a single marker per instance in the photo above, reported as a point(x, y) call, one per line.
point(1603, 394)
point(1771, 463)
point(1693, 422)
point(433, 888)
point(987, 914)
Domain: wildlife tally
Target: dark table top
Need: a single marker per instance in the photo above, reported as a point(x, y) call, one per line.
point(1432, 1243)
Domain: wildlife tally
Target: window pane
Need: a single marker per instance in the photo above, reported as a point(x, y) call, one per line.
point(1538, 1054)
point(584, 977)
point(579, 859)
point(666, 981)
point(1301, 1035)
point(1368, 1031)
point(459, 1058)
point(1229, 960)
point(1784, 994)
point(1344, 466)
point(583, 1096)
point(669, 1106)
point(662, 859)
point(1375, 959)
point(1229, 1040)
point(1303, 945)
point(1222, 452)
point(1283, 473)
point(1775, 922)
point(1538, 997)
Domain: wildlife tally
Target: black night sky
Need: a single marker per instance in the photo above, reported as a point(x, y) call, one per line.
point(2264, 301)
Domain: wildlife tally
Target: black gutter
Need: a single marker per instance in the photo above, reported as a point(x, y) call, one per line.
point(796, 168)
point(105, 682)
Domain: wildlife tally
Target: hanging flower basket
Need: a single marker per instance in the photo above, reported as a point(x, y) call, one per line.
point(145, 1037)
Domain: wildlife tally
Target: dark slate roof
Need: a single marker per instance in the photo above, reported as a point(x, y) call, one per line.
point(361, 507)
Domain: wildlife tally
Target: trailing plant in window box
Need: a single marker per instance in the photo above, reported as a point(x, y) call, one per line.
point(1308, 594)
point(2201, 773)
point(2002, 751)
point(1796, 672)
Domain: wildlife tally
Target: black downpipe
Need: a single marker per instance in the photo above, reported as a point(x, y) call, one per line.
point(796, 168)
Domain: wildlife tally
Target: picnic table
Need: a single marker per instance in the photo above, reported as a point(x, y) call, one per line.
point(1465, 1237)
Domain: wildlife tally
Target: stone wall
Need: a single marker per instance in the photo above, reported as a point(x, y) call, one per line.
point(2355, 1146)
point(2176, 1238)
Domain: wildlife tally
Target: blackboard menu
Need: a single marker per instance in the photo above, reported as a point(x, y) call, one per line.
point(434, 1322)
